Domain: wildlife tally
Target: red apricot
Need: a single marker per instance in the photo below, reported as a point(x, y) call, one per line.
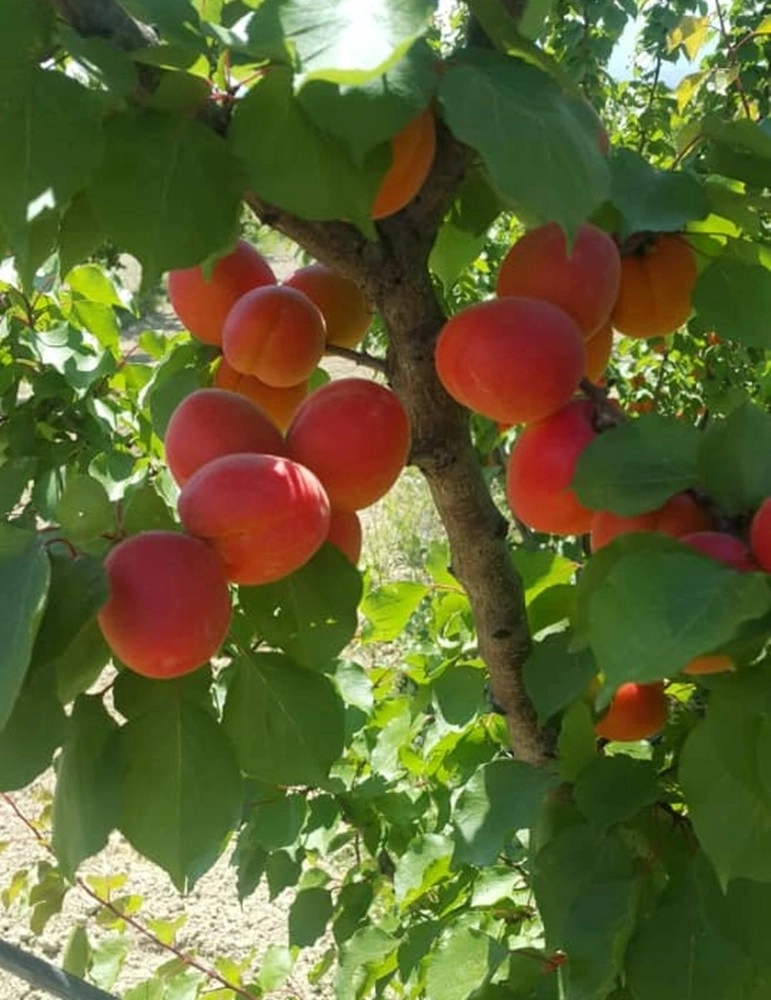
point(598, 350)
point(412, 154)
point(275, 334)
point(606, 526)
point(760, 535)
point(345, 533)
point(636, 712)
point(541, 467)
point(169, 605)
point(355, 436)
point(202, 302)
point(210, 423)
point(346, 312)
point(279, 404)
point(584, 283)
point(680, 515)
point(723, 547)
point(265, 516)
point(513, 359)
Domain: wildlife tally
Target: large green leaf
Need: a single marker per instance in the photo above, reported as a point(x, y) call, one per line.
point(286, 721)
point(740, 149)
point(26, 29)
point(555, 675)
point(78, 588)
point(24, 578)
point(36, 727)
point(389, 608)
point(309, 914)
point(463, 961)
point(611, 789)
point(637, 466)
point(169, 190)
point(181, 790)
point(652, 200)
point(310, 614)
point(424, 863)
point(735, 459)
point(734, 298)
point(538, 143)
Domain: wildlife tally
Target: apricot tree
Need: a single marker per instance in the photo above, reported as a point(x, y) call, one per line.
point(559, 789)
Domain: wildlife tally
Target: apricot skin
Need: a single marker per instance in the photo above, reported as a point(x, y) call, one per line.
point(513, 360)
point(760, 535)
point(412, 155)
point(713, 663)
point(346, 312)
point(265, 516)
point(654, 297)
point(599, 348)
point(210, 423)
point(723, 548)
point(275, 334)
point(636, 712)
point(541, 467)
point(202, 304)
point(680, 515)
point(279, 404)
point(585, 284)
point(345, 534)
point(169, 606)
point(355, 436)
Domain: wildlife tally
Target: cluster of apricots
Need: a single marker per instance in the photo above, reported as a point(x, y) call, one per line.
point(264, 481)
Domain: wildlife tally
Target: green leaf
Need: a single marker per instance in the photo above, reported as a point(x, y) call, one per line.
point(655, 611)
point(637, 466)
point(365, 949)
point(425, 862)
point(78, 588)
point(84, 509)
point(81, 663)
point(310, 614)
point(287, 722)
point(463, 233)
point(652, 200)
point(275, 966)
point(309, 914)
point(735, 459)
point(277, 822)
point(554, 675)
point(460, 693)
point(462, 962)
point(77, 954)
point(733, 298)
point(26, 30)
point(577, 743)
point(612, 789)
point(87, 795)
point(740, 149)
point(538, 143)
point(250, 861)
point(15, 474)
point(91, 283)
point(36, 726)
point(24, 578)
point(79, 233)
point(389, 608)
point(282, 872)
point(181, 790)
point(154, 194)
point(502, 797)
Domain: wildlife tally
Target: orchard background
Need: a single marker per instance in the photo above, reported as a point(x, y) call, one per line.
point(415, 755)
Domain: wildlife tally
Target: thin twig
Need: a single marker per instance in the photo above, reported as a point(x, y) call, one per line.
point(731, 52)
point(358, 357)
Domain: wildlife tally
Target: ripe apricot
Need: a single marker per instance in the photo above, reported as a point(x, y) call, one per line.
point(346, 312)
point(723, 547)
point(512, 359)
point(412, 155)
point(541, 467)
point(680, 515)
point(606, 526)
point(169, 605)
point(584, 283)
point(265, 516)
point(713, 663)
point(210, 423)
point(636, 712)
point(345, 533)
point(657, 280)
point(598, 349)
point(355, 436)
point(275, 334)
point(202, 302)
point(760, 535)
point(279, 404)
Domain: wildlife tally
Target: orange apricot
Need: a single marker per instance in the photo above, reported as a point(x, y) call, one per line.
point(540, 470)
point(722, 547)
point(657, 280)
point(275, 334)
point(210, 423)
point(636, 712)
point(265, 516)
point(412, 155)
point(355, 436)
point(346, 312)
point(513, 359)
point(584, 282)
point(712, 663)
point(606, 526)
point(202, 302)
point(279, 404)
point(760, 535)
point(680, 515)
point(598, 350)
point(345, 533)
point(169, 608)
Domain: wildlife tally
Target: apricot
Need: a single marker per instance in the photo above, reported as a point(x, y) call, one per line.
point(279, 404)
point(712, 663)
point(168, 609)
point(541, 467)
point(760, 535)
point(657, 280)
point(346, 312)
point(636, 712)
point(513, 360)
point(265, 516)
point(598, 349)
point(680, 515)
point(583, 283)
point(606, 526)
point(275, 334)
point(210, 423)
point(412, 155)
point(355, 436)
point(724, 548)
point(202, 302)
point(345, 533)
